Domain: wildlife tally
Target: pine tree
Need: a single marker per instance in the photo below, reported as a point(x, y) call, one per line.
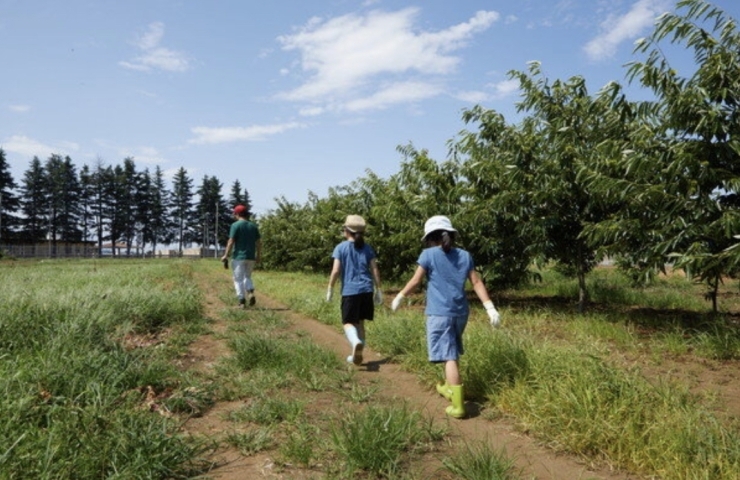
point(34, 222)
point(9, 202)
point(182, 208)
point(63, 194)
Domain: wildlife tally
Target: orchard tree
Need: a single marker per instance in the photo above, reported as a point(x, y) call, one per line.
point(495, 214)
point(279, 228)
point(422, 188)
point(529, 178)
point(686, 193)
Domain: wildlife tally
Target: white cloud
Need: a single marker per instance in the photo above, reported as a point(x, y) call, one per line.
point(618, 29)
point(154, 56)
point(28, 147)
point(505, 88)
point(402, 92)
point(19, 108)
point(510, 19)
point(209, 135)
point(311, 111)
point(501, 90)
point(473, 96)
point(357, 62)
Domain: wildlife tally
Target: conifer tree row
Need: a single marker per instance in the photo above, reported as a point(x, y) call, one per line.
point(112, 205)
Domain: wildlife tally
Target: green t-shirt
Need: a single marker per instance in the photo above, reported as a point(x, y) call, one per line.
point(245, 235)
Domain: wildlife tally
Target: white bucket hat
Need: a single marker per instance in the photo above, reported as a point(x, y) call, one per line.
point(437, 222)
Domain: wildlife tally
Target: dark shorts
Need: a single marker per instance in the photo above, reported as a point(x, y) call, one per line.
point(357, 307)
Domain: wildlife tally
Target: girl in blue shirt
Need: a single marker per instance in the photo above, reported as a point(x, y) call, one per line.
point(355, 262)
point(447, 269)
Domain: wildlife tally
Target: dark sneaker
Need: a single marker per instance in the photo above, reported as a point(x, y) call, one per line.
point(242, 303)
point(252, 299)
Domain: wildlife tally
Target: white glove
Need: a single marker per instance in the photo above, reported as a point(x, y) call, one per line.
point(397, 301)
point(493, 315)
point(329, 294)
point(378, 297)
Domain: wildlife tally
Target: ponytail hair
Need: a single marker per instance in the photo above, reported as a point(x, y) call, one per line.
point(441, 238)
point(358, 237)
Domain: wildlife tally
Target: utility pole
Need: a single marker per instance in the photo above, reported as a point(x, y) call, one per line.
point(215, 237)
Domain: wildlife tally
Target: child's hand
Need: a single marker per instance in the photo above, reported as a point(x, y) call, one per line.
point(378, 298)
point(397, 301)
point(493, 314)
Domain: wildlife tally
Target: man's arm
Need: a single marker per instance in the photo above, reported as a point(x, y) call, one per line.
point(229, 246)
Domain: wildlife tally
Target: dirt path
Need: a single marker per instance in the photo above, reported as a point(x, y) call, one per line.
point(534, 460)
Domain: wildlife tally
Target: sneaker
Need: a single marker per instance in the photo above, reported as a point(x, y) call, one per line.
point(242, 303)
point(357, 354)
point(251, 299)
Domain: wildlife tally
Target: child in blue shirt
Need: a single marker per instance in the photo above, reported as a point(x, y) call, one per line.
point(447, 269)
point(355, 262)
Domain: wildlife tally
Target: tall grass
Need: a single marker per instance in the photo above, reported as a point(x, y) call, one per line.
point(555, 372)
point(72, 392)
point(377, 439)
point(587, 406)
point(477, 461)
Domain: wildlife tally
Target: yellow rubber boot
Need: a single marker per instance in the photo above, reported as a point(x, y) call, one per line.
point(457, 409)
point(444, 390)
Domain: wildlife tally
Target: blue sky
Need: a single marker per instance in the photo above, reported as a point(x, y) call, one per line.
point(286, 96)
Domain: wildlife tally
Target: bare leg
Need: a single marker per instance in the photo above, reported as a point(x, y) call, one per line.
point(452, 373)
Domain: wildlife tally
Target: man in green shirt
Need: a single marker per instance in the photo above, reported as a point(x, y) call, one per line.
point(245, 247)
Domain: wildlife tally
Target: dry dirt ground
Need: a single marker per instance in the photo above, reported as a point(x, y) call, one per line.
point(533, 460)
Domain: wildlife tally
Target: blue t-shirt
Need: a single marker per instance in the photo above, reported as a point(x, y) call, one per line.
point(446, 274)
point(356, 276)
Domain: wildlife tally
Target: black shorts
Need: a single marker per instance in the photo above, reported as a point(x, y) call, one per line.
point(357, 307)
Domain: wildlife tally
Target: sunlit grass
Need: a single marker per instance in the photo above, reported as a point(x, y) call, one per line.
point(377, 439)
point(555, 370)
point(478, 461)
point(79, 346)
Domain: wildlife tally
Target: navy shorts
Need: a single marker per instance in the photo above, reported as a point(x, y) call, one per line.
point(444, 337)
point(356, 308)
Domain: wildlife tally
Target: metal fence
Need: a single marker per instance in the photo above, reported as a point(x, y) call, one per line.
point(87, 250)
point(41, 250)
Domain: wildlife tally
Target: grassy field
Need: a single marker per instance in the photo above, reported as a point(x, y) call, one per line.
point(577, 382)
point(92, 386)
point(74, 381)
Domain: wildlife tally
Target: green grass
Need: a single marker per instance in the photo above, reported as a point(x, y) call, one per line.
point(562, 375)
point(318, 416)
point(377, 439)
point(80, 354)
point(72, 387)
point(477, 461)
